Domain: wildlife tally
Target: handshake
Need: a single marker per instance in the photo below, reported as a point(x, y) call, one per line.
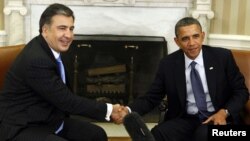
point(118, 113)
point(134, 124)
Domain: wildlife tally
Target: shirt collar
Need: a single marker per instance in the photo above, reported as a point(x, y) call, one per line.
point(56, 54)
point(198, 60)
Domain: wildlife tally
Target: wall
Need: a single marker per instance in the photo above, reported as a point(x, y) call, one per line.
point(230, 26)
point(231, 17)
point(2, 32)
point(1, 15)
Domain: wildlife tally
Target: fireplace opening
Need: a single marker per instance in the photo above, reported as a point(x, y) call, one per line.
point(113, 68)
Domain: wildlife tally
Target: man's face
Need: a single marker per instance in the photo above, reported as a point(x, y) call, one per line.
point(59, 33)
point(190, 39)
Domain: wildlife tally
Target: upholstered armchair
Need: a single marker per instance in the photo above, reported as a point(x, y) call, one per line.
point(7, 56)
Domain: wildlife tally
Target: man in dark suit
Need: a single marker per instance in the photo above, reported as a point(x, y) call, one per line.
point(223, 88)
point(36, 102)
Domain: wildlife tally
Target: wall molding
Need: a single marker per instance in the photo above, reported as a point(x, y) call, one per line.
point(241, 42)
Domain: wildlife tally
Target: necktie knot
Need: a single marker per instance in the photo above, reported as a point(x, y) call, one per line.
point(59, 59)
point(192, 64)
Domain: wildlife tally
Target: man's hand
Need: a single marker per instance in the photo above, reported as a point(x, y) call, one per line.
point(218, 118)
point(118, 113)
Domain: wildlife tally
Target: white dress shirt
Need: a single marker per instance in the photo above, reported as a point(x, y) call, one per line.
point(191, 106)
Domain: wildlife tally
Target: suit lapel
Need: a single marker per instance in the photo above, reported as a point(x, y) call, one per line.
point(211, 72)
point(180, 79)
point(47, 49)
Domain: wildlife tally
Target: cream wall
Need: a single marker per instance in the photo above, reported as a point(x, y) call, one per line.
point(1, 15)
point(231, 17)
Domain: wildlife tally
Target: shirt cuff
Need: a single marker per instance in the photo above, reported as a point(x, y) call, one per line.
point(109, 111)
point(129, 110)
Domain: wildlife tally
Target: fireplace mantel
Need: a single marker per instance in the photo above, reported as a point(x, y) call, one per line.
point(112, 3)
point(116, 17)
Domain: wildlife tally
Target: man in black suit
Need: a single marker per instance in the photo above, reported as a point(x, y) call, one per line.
point(223, 85)
point(36, 102)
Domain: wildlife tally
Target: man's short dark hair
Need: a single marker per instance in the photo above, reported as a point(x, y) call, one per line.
point(52, 10)
point(186, 22)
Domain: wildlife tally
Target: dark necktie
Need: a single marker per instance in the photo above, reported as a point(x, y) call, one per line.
point(61, 68)
point(199, 94)
point(62, 73)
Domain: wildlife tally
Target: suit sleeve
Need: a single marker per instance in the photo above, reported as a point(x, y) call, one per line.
point(43, 78)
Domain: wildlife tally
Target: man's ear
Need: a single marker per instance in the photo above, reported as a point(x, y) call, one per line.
point(203, 35)
point(176, 40)
point(45, 28)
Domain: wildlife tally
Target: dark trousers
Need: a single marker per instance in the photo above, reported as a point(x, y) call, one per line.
point(180, 129)
point(74, 130)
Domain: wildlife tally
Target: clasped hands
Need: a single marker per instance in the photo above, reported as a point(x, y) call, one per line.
point(118, 113)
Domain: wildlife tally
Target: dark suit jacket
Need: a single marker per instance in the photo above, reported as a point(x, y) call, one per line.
point(35, 94)
point(225, 83)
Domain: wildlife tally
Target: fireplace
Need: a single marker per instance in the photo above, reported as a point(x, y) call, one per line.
point(113, 68)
